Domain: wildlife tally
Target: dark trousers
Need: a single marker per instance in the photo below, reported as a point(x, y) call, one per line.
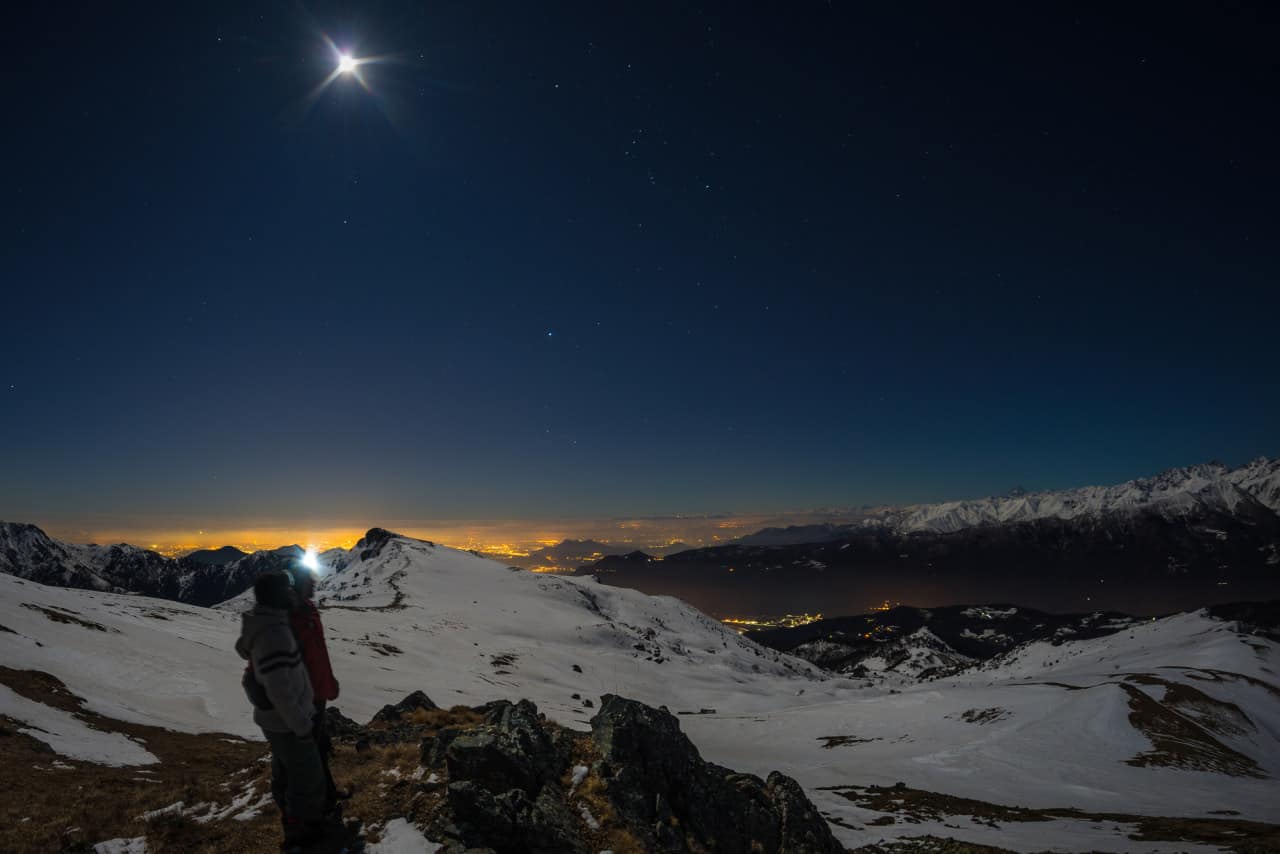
point(325, 745)
point(297, 778)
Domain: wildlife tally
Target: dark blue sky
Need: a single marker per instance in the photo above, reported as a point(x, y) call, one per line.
point(629, 258)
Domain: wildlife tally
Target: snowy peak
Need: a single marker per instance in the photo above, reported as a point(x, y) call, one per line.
point(28, 552)
point(1260, 479)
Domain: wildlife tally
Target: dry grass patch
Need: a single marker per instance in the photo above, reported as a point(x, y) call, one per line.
point(437, 719)
point(984, 716)
point(1180, 742)
point(69, 617)
point(386, 783)
point(830, 741)
point(53, 803)
point(929, 845)
point(592, 793)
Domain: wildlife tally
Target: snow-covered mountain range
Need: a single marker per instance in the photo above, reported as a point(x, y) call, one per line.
point(1183, 539)
point(1185, 493)
point(1174, 717)
point(28, 552)
point(1178, 493)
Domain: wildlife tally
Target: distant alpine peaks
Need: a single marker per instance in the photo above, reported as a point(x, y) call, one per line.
point(1174, 493)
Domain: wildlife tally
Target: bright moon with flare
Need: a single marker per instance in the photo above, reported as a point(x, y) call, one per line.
point(346, 63)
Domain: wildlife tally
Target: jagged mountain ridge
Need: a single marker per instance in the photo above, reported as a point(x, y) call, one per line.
point(1184, 492)
point(28, 552)
point(1188, 491)
point(1184, 539)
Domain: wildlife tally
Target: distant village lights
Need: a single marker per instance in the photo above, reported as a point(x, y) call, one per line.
point(787, 621)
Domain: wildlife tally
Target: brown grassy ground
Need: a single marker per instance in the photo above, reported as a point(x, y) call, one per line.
point(1179, 727)
point(51, 803)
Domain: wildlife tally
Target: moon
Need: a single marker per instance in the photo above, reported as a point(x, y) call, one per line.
point(346, 63)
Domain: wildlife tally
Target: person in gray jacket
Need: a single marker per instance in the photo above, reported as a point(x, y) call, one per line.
point(276, 683)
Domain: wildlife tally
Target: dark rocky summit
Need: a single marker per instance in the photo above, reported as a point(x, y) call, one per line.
point(216, 557)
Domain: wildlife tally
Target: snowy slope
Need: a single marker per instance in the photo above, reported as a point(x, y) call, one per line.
point(404, 615)
point(412, 616)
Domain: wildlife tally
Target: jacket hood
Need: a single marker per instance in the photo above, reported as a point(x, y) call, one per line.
point(254, 621)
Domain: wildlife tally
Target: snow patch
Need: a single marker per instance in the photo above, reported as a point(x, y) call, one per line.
point(401, 837)
point(136, 845)
point(71, 736)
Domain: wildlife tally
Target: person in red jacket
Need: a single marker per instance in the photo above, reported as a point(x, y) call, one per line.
point(309, 632)
point(304, 619)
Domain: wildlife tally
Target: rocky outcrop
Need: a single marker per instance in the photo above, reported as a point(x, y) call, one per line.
point(517, 784)
point(502, 779)
point(372, 543)
point(656, 776)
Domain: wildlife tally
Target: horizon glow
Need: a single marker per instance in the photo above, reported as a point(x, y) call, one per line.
point(512, 537)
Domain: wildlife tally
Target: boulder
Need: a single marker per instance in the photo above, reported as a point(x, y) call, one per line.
point(511, 822)
point(339, 725)
point(415, 701)
point(657, 775)
point(511, 750)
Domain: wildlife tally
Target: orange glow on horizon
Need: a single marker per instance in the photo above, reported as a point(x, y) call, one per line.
point(514, 540)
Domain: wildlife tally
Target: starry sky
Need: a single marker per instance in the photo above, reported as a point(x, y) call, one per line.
point(585, 259)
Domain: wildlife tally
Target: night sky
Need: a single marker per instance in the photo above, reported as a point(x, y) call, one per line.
point(596, 259)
